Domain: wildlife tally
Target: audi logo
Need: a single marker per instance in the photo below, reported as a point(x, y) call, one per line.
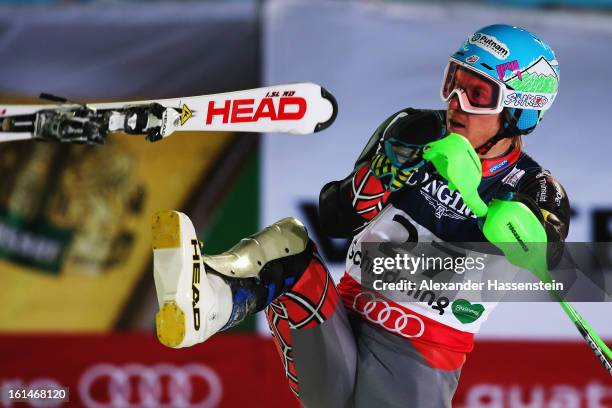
point(161, 385)
point(392, 318)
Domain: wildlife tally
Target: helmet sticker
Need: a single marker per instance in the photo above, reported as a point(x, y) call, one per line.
point(526, 100)
point(539, 77)
point(512, 66)
point(472, 59)
point(490, 44)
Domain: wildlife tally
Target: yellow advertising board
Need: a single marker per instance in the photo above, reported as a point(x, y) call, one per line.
point(75, 223)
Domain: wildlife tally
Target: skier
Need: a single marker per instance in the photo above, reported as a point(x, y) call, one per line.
point(349, 345)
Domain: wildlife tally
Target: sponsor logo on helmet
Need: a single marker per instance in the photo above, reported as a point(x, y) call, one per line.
point(519, 100)
point(512, 66)
point(490, 44)
point(472, 59)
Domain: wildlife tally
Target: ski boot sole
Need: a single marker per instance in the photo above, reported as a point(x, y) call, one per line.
point(170, 321)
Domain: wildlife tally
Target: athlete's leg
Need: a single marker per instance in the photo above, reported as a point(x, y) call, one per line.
point(279, 267)
point(392, 372)
point(314, 339)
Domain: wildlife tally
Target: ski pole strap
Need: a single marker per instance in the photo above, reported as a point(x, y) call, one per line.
point(456, 160)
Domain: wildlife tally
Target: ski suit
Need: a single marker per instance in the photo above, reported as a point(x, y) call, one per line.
point(344, 345)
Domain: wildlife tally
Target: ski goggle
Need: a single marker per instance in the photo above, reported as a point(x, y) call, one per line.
point(481, 94)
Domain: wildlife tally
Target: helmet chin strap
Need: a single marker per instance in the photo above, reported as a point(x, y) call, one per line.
point(507, 130)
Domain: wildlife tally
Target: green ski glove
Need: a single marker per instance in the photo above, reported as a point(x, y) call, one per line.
point(456, 160)
point(518, 232)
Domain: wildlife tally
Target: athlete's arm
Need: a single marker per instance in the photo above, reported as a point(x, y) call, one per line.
point(547, 198)
point(346, 205)
point(337, 213)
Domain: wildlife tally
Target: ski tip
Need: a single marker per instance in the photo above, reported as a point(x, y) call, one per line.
point(324, 125)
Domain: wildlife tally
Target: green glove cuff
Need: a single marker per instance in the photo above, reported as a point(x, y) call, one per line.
point(456, 160)
point(518, 232)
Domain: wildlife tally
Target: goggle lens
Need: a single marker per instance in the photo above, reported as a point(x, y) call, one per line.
point(473, 89)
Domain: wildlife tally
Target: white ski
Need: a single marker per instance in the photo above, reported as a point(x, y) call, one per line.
point(294, 108)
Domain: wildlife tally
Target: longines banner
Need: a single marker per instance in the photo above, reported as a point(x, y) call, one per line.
point(134, 370)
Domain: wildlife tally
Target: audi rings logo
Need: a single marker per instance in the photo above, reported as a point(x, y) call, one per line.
point(393, 318)
point(161, 385)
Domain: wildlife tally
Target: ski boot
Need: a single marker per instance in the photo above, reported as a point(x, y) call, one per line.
point(199, 295)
